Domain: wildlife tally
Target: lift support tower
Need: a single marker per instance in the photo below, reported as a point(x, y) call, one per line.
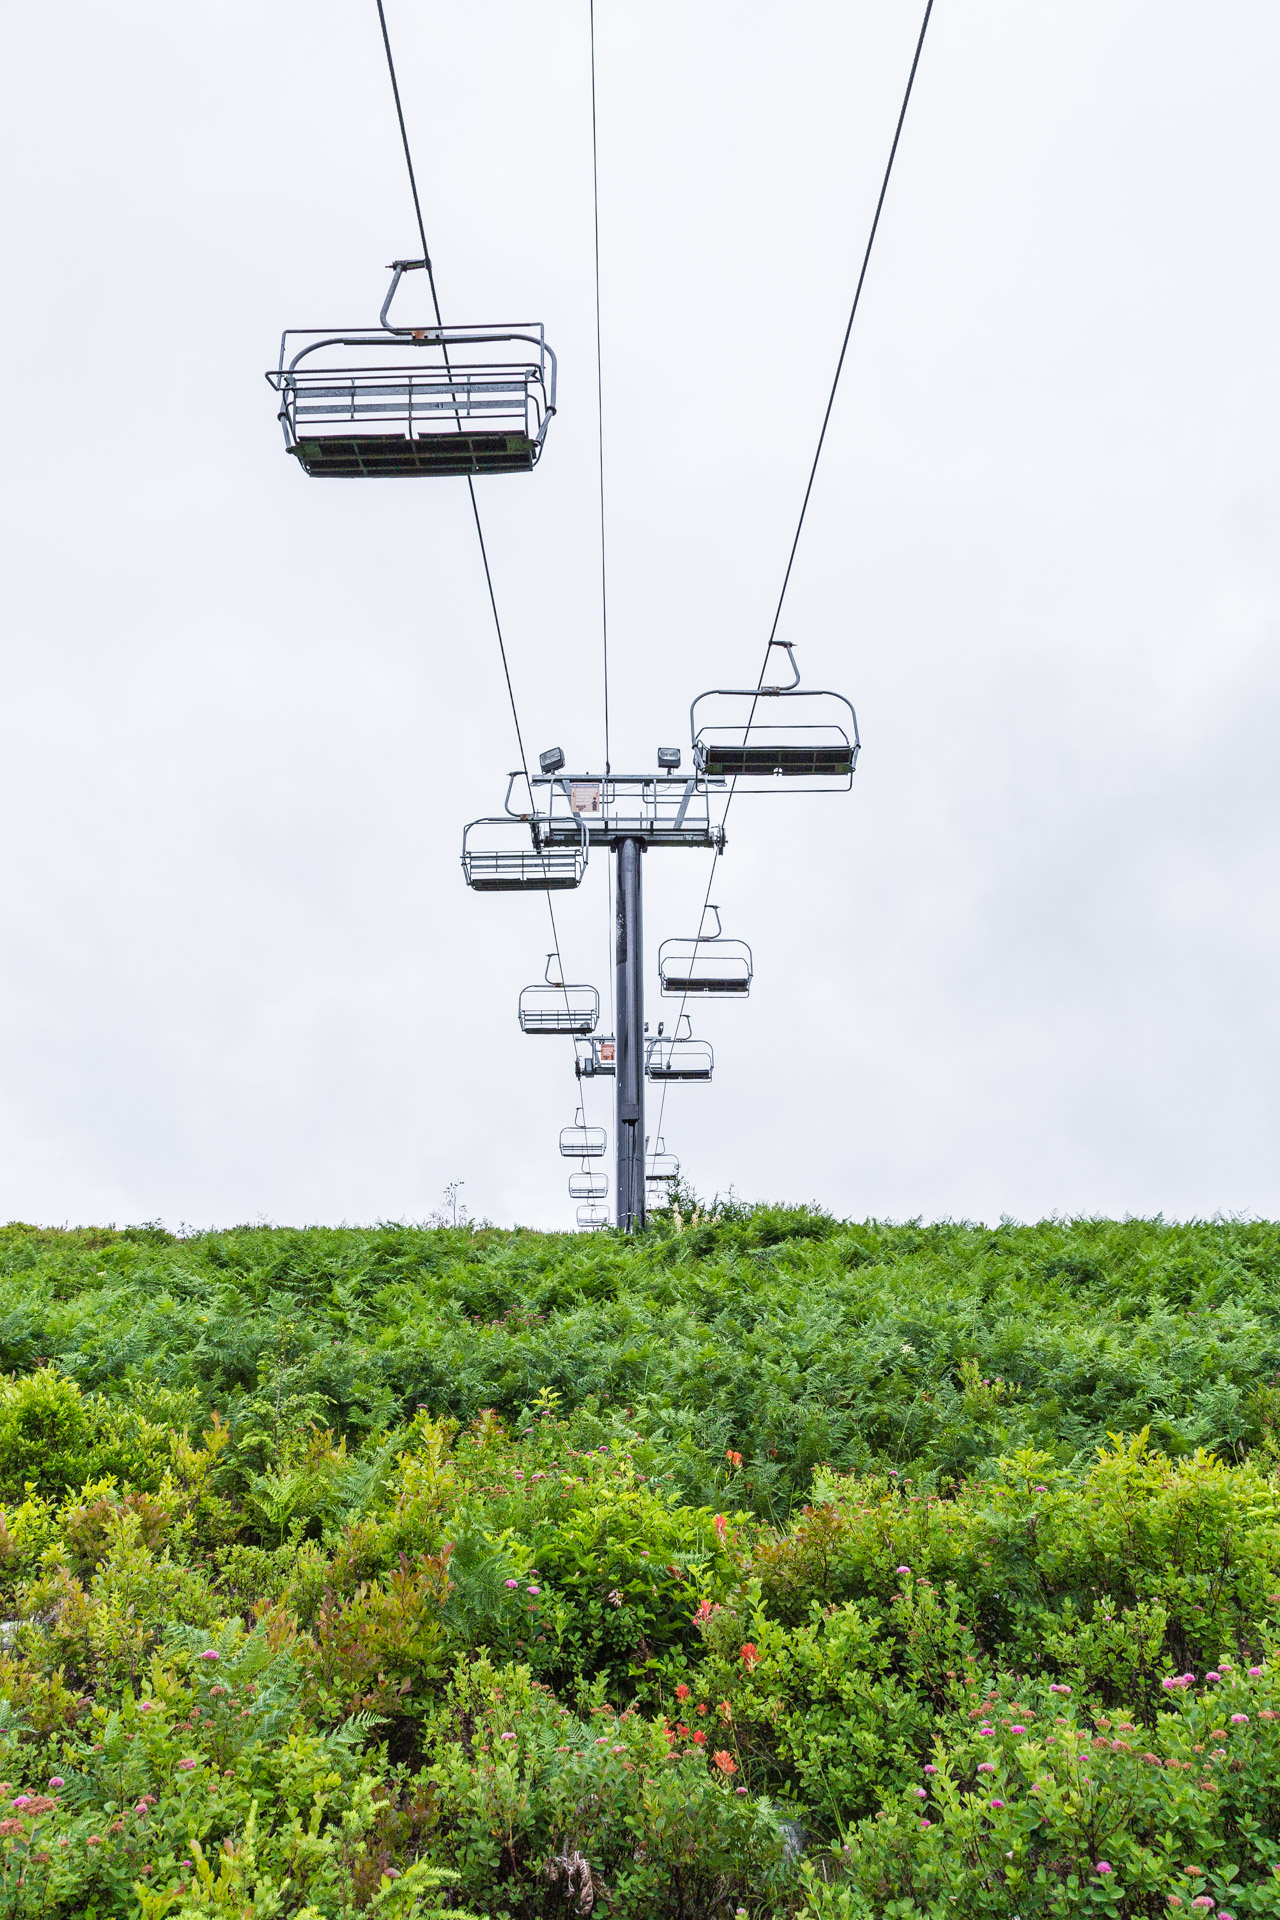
point(631, 815)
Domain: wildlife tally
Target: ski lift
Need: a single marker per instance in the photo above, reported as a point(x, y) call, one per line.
point(552, 1007)
point(498, 858)
point(661, 1171)
point(466, 400)
point(580, 1142)
point(592, 1219)
point(708, 965)
point(757, 752)
point(596, 1058)
point(588, 1186)
point(678, 1056)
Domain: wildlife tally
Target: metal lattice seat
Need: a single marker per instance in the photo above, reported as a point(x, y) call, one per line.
point(666, 1058)
point(504, 856)
point(661, 1172)
point(588, 1186)
point(708, 965)
point(552, 1007)
point(755, 737)
point(470, 400)
point(582, 1143)
point(592, 1219)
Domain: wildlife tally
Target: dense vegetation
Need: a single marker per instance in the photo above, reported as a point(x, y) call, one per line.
point(765, 1565)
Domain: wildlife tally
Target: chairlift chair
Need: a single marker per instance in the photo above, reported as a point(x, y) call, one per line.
point(551, 1006)
point(678, 1056)
point(661, 1172)
point(755, 737)
point(506, 856)
point(588, 1186)
point(709, 965)
point(596, 1058)
point(581, 1142)
point(465, 400)
point(592, 1219)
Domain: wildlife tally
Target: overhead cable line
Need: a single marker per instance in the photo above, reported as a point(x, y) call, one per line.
point(595, 207)
point(604, 572)
point(435, 302)
point(853, 311)
point(475, 505)
point(813, 470)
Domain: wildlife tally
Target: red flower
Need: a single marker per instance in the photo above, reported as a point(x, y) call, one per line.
point(682, 1692)
point(750, 1654)
point(734, 1459)
point(702, 1706)
point(700, 1737)
point(725, 1711)
point(721, 1526)
point(725, 1762)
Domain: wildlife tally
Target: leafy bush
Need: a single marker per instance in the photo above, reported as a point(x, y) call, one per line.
point(764, 1565)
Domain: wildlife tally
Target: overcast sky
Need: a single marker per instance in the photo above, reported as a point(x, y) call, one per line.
point(1028, 965)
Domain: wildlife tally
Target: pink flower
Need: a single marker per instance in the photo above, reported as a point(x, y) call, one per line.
point(1213, 1675)
point(986, 1766)
point(1103, 1866)
point(997, 1803)
point(986, 1733)
point(534, 1590)
point(1255, 1673)
point(23, 1800)
point(185, 1766)
point(210, 1653)
point(1239, 1719)
point(1057, 1689)
point(1017, 1728)
point(1203, 1900)
point(511, 1736)
point(57, 1781)
point(511, 1583)
point(930, 1768)
point(742, 1791)
point(146, 1706)
point(902, 1569)
point(922, 1793)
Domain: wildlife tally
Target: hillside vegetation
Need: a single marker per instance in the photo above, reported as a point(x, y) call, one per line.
point(764, 1565)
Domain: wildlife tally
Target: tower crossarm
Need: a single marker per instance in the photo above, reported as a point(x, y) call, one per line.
point(659, 810)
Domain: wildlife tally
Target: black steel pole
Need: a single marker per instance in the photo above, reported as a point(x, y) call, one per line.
point(629, 1129)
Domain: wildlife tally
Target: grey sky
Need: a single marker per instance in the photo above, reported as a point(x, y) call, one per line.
point(1028, 964)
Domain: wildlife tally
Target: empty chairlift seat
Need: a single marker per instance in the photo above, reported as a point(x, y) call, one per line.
point(591, 1219)
point(580, 1142)
point(403, 402)
point(708, 965)
point(762, 737)
point(667, 1058)
point(553, 1007)
point(506, 855)
point(661, 1172)
point(588, 1186)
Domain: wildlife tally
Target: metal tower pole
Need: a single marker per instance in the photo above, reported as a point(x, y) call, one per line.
point(629, 1129)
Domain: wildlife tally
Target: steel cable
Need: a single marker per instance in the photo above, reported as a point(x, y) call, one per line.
point(471, 490)
point(813, 470)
